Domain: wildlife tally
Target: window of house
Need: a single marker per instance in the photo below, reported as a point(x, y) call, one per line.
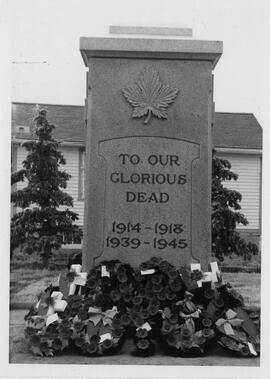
point(81, 173)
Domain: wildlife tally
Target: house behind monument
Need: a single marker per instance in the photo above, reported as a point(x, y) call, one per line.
point(236, 137)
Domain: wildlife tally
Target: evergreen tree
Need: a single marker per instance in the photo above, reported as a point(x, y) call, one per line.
point(44, 222)
point(226, 216)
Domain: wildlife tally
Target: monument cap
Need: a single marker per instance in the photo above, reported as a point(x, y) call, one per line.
point(150, 48)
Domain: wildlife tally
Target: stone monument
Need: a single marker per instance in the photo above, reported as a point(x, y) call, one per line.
point(148, 152)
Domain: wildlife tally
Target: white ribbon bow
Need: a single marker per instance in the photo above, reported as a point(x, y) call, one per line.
point(229, 322)
point(195, 314)
point(98, 315)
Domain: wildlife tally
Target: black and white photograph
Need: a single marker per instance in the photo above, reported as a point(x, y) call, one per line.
point(134, 182)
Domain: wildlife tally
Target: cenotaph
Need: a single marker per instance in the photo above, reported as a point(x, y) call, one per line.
point(148, 149)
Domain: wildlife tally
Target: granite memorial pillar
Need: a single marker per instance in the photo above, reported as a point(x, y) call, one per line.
point(148, 149)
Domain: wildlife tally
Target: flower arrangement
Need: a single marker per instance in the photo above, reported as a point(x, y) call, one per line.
point(181, 312)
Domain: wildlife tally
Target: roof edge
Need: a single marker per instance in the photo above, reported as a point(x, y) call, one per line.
point(238, 150)
point(244, 113)
point(18, 140)
point(82, 106)
point(53, 105)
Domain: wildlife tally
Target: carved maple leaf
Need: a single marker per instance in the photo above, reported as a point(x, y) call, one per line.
point(149, 96)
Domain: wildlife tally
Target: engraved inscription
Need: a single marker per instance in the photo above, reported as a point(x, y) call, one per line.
point(169, 230)
point(148, 195)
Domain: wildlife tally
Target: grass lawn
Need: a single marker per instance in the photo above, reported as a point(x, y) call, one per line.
point(25, 284)
point(248, 285)
point(236, 261)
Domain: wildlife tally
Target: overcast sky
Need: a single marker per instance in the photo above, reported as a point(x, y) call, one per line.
point(49, 31)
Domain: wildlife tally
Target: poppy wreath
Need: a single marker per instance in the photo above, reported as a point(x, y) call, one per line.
point(183, 312)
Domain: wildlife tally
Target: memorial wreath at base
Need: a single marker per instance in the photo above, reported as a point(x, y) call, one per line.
point(183, 312)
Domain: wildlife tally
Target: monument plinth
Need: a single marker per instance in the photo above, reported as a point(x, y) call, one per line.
point(148, 159)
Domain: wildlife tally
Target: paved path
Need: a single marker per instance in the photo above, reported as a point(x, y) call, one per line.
point(19, 353)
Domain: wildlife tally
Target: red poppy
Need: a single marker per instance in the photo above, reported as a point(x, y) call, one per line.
point(91, 283)
point(157, 288)
point(144, 266)
point(138, 277)
point(107, 344)
point(144, 313)
point(137, 308)
point(79, 341)
point(110, 266)
point(122, 278)
point(57, 344)
point(164, 266)
point(170, 295)
point(149, 294)
point(93, 274)
point(115, 296)
point(196, 275)
point(245, 351)
point(143, 344)
point(209, 294)
point(141, 333)
point(198, 339)
point(141, 292)
point(156, 279)
point(133, 315)
point(206, 332)
point(44, 347)
point(127, 297)
point(219, 303)
point(92, 347)
point(121, 270)
point(70, 276)
point(152, 309)
point(172, 339)
point(125, 319)
point(123, 288)
point(173, 319)
point(155, 260)
point(116, 323)
point(161, 295)
point(207, 322)
point(166, 327)
point(138, 321)
point(175, 285)
point(185, 333)
point(137, 300)
point(154, 301)
point(117, 333)
point(173, 274)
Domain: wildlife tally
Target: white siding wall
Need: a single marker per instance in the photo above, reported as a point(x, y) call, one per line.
point(248, 168)
point(71, 155)
point(21, 155)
